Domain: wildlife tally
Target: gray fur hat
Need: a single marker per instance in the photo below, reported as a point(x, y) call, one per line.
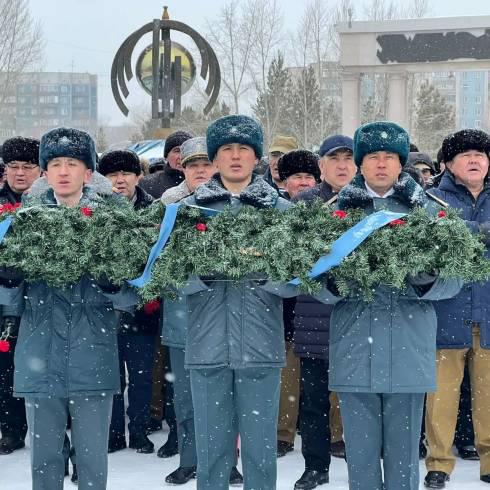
point(70, 143)
point(193, 149)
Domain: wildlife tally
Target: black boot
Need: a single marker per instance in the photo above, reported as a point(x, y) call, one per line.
point(283, 448)
point(468, 453)
point(236, 477)
point(311, 479)
point(141, 443)
point(171, 447)
point(436, 479)
point(181, 475)
point(116, 443)
point(422, 449)
point(485, 478)
point(10, 444)
point(74, 475)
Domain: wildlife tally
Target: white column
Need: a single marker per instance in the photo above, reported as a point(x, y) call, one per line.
point(397, 99)
point(351, 95)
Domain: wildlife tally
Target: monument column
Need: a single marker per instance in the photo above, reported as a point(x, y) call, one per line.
point(351, 95)
point(397, 99)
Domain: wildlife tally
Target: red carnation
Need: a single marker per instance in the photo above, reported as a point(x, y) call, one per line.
point(441, 214)
point(339, 214)
point(9, 208)
point(397, 222)
point(201, 227)
point(86, 211)
point(152, 307)
point(4, 345)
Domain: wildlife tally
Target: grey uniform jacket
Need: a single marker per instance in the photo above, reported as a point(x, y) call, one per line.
point(387, 345)
point(67, 343)
point(235, 324)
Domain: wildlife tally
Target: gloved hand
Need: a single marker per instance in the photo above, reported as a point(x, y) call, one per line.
point(10, 326)
point(106, 285)
point(10, 276)
point(422, 279)
point(485, 231)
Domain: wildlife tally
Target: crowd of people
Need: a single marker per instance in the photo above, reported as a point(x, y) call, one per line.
point(237, 369)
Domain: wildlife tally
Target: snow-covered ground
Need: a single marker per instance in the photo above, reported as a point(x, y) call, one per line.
point(131, 471)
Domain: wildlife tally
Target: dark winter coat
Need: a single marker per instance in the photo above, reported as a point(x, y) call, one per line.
point(8, 196)
point(321, 191)
point(67, 343)
point(456, 315)
point(312, 318)
point(387, 345)
point(141, 322)
point(156, 184)
point(236, 324)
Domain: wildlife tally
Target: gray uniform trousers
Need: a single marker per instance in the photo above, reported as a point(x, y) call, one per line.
point(387, 425)
point(231, 401)
point(46, 419)
point(184, 410)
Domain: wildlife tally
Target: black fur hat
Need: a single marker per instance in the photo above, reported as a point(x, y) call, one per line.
point(21, 150)
point(176, 139)
point(298, 161)
point(117, 160)
point(464, 140)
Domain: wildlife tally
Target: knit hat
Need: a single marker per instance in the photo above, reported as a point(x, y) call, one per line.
point(464, 140)
point(336, 142)
point(21, 150)
point(175, 139)
point(298, 161)
point(67, 142)
point(380, 136)
point(119, 160)
point(234, 129)
point(283, 144)
point(415, 158)
point(193, 149)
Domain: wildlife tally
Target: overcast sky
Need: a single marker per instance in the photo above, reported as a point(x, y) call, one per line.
point(84, 35)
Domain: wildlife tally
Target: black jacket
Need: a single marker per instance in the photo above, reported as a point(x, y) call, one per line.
point(156, 184)
point(7, 195)
point(143, 322)
point(312, 318)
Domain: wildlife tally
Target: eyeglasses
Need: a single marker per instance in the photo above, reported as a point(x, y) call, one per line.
point(24, 166)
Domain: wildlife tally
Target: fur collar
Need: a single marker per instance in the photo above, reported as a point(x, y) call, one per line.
point(258, 193)
point(355, 194)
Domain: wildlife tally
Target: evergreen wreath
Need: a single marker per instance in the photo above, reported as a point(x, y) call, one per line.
point(60, 244)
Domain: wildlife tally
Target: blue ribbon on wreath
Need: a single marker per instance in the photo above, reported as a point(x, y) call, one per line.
point(349, 241)
point(166, 228)
point(341, 248)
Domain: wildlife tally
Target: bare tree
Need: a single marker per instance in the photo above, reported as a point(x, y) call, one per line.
point(21, 43)
point(232, 36)
point(266, 17)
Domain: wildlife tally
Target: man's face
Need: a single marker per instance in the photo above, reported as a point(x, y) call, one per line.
point(21, 175)
point(235, 162)
point(338, 169)
point(299, 182)
point(424, 170)
point(470, 167)
point(124, 182)
point(67, 176)
point(273, 159)
point(173, 158)
point(198, 172)
point(381, 170)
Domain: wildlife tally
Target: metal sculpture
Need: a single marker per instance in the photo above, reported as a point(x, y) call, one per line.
point(165, 84)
